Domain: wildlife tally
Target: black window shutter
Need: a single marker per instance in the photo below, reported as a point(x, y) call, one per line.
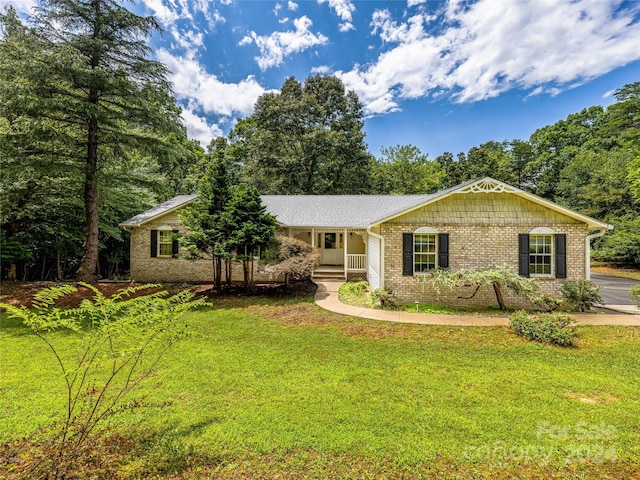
point(154, 243)
point(174, 244)
point(443, 250)
point(407, 254)
point(523, 254)
point(561, 256)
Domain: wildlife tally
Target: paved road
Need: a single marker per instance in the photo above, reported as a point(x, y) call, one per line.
point(614, 290)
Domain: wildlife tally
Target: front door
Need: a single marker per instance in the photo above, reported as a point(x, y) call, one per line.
point(331, 246)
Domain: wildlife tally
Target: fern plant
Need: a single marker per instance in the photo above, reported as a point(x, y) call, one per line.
point(119, 341)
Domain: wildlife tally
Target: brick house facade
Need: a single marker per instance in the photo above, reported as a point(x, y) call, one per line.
point(394, 241)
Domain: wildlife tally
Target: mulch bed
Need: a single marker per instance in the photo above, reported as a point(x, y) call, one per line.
point(21, 293)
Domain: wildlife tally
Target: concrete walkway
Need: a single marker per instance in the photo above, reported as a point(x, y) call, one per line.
point(327, 298)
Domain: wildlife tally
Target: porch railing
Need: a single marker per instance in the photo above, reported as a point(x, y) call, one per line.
point(356, 262)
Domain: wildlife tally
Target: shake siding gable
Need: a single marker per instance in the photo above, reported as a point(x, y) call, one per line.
point(484, 230)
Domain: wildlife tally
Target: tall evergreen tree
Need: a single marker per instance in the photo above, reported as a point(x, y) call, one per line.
point(92, 88)
point(208, 233)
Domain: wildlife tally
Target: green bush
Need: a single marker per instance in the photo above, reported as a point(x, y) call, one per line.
point(581, 295)
point(635, 294)
point(555, 328)
point(353, 289)
point(383, 298)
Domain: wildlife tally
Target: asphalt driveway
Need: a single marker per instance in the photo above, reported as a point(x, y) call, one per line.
point(614, 290)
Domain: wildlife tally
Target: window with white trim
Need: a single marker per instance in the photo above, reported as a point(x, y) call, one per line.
point(425, 252)
point(540, 254)
point(165, 243)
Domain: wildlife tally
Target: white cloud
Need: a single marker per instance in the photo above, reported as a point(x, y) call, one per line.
point(187, 39)
point(199, 129)
point(167, 12)
point(163, 13)
point(276, 9)
point(413, 3)
point(21, 6)
point(293, 6)
point(321, 69)
point(343, 8)
point(487, 48)
point(273, 48)
point(204, 91)
point(346, 26)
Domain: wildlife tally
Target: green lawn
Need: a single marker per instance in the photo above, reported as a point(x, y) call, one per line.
point(280, 387)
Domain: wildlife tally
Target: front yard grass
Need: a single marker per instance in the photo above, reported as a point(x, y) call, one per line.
point(281, 388)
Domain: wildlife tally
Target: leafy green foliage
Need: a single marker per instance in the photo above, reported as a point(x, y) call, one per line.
point(635, 293)
point(623, 244)
point(405, 170)
point(82, 110)
point(353, 289)
point(207, 232)
point(554, 328)
point(305, 139)
point(119, 341)
point(497, 277)
point(582, 295)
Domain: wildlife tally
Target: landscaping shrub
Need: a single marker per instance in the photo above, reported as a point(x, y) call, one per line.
point(554, 328)
point(581, 295)
point(354, 289)
point(635, 294)
point(498, 278)
point(383, 298)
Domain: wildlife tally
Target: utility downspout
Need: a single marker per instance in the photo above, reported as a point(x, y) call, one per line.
point(381, 238)
point(587, 250)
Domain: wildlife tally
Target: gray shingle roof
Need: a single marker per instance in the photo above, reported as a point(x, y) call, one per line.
point(309, 210)
point(343, 211)
point(169, 205)
point(337, 210)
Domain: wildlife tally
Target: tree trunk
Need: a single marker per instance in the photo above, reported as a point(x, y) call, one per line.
point(228, 266)
point(44, 266)
point(218, 275)
point(496, 289)
point(13, 276)
point(58, 264)
point(89, 261)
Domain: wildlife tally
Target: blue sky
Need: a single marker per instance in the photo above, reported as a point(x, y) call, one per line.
point(442, 75)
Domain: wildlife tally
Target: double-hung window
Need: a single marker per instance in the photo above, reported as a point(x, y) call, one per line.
point(540, 254)
point(165, 243)
point(543, 252)
point(424, 252)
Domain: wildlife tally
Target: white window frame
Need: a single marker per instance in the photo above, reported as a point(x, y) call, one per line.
point(550, 254)
point(425, 232)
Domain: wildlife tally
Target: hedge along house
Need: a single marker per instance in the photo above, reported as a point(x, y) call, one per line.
point(394, 240)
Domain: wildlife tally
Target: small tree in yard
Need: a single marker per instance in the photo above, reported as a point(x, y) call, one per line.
point(118, 342)
point(250, 228)
point(208, 234)
point(290, 258)
point(498, 278)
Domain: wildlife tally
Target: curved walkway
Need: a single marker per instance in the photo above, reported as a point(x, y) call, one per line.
point(327, 298)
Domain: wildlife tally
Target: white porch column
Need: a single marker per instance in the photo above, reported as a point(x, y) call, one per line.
point(313, 237)
point(345, 242)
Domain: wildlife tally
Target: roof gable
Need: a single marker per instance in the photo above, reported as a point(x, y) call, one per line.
point(361, 210)
point(491, 185)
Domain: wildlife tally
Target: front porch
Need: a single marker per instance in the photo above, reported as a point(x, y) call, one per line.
point(343, 251)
